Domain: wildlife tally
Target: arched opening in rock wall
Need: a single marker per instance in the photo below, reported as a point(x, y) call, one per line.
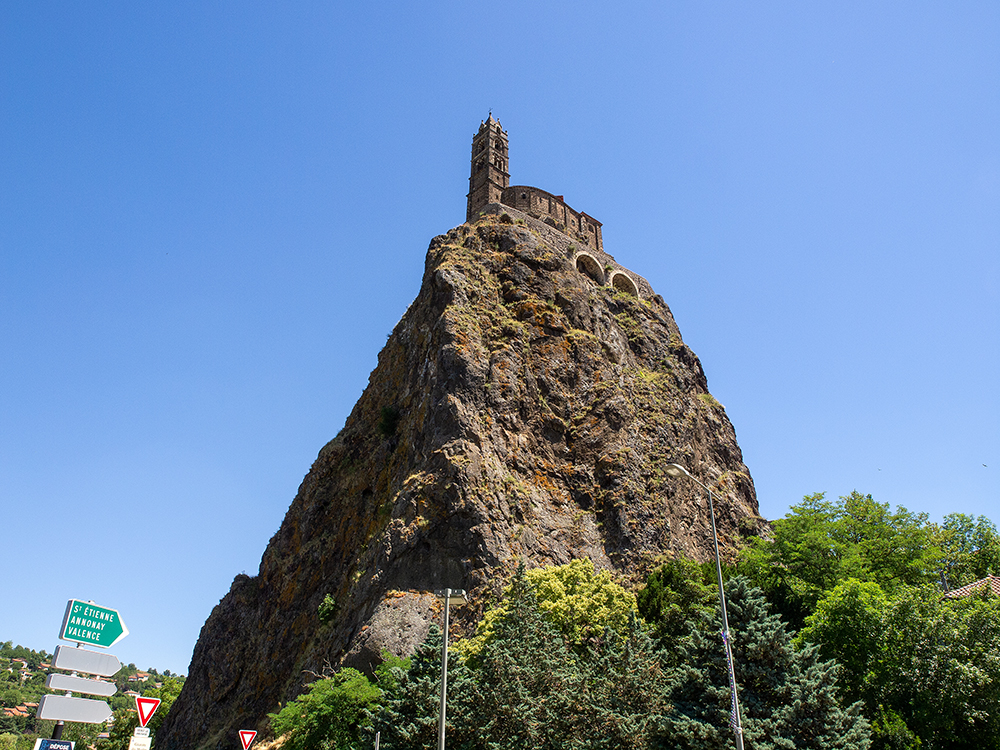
point(587, 265)
point(623, 283)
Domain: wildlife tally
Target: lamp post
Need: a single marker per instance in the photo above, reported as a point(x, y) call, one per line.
point(450, 596)
point(735, 720)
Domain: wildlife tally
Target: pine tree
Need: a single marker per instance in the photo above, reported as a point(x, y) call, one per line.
point(411, 705)
point(627, 690)
point(788, 697)
point(528, 690)
point(674, 593)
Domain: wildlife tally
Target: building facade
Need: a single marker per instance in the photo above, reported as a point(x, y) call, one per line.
point(489, 182)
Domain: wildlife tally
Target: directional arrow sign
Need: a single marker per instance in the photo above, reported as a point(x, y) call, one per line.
point(80, 685)
point(89, 662)
point(146, 708)
point(87, 623)
point(73, 709)
point(246, 737)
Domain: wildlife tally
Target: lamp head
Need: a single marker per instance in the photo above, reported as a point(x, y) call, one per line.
point(676, 470)
point(454, 596)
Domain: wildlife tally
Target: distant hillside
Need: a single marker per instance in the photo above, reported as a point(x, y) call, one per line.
point(22, 684)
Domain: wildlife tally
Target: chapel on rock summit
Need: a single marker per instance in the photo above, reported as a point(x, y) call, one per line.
point(489, 183)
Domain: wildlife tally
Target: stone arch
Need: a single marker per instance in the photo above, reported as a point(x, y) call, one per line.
point(624, 283)
point(588, 266)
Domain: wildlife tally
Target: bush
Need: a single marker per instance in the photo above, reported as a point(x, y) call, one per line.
point(389, 421)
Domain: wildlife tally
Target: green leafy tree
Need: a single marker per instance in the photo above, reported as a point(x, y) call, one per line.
point(821, 543)
point(804, 558)
point(580, 601)
point(938, 668)
point(82, 735)
point(125, 722)
point(126, 719)
point(847, 626)
point(788, 696)
point(889, 732)
point(971, 549)
point(330, 715)
point(890, 547)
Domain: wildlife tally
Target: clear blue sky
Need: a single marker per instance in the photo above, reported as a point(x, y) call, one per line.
point(212, 214)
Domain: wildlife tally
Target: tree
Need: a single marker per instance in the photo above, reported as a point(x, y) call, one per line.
point(528, 690)
point(805, 557)
point(788, 696)
point(627, 689)
point(126, 719)
point(892, 547)
point(821, 543)
point(579, 600)
point(971, 548)
point(675, 593)
point(938, 668)
point(847, 626)
point(408, 716)
point(125, 722)
point(330, 714)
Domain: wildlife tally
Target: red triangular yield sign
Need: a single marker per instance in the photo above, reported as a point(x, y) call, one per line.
point(246, 737)
point(146, 707)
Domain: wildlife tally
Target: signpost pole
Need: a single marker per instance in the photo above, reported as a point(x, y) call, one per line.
point(84, 622)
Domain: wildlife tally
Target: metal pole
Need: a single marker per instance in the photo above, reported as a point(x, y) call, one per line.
point(444, 671)
point(736, 718)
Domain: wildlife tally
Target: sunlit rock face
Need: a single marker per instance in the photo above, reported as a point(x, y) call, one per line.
point(523, 409)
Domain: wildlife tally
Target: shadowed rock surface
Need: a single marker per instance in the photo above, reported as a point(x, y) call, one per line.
point(519, 411)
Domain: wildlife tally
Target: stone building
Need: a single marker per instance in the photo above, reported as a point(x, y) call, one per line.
point(489, 188)
point(490, 183)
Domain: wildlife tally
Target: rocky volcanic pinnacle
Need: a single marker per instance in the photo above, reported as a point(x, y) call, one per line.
point(519, 411)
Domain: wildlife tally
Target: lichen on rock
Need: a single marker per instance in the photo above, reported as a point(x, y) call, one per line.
point(520, 411)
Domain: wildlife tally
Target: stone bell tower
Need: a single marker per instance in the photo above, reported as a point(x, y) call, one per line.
point(489, 166)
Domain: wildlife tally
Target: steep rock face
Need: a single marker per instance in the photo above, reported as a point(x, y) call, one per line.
point(519, 411)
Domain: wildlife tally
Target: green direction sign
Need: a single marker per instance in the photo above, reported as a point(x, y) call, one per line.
point(85, 622)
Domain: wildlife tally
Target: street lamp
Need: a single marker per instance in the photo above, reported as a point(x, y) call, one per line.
point(450, 596)
point(676, 470)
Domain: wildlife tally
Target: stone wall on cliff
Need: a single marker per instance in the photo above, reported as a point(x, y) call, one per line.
point(518, 412)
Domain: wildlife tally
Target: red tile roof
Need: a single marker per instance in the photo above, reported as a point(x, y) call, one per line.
point(992, 582)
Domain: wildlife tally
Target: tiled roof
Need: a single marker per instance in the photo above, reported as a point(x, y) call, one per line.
point(993, 582)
